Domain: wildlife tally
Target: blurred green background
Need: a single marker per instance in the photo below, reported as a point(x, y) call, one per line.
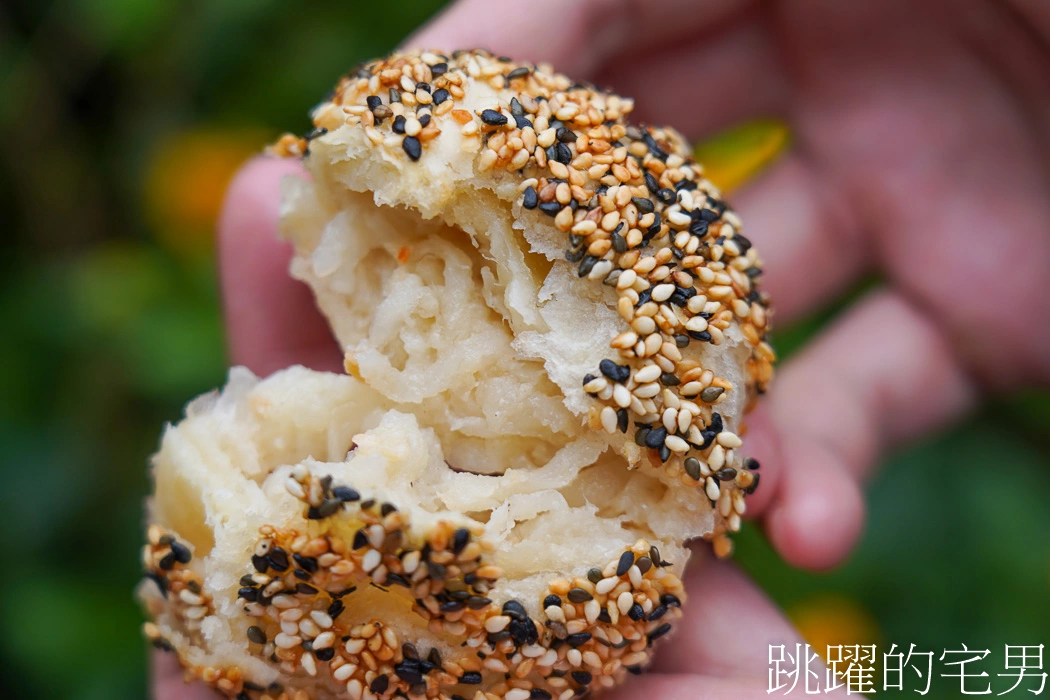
point(120, 124)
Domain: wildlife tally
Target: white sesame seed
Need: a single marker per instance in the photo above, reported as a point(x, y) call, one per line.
point(324, 640)
point(592, 659)
point(574, 657)
point(295, 488)
point(555, 613)
point(621, 396)
point(533, 651)
point(355, 689)
point(649, 373)
point(624, 602)
point(647, 391)
point(716, 459)
point(497, 623)
point(627, 279)
point(728, 439)
point(606, 585)
point(411, 561)
point(635, 576)
point(286, 641)
point(697, 324)
point(669, 419)
point(591, 610)
point(344, 672)
point(685, 417)
point(711, 487)
point(600, 270)
point(549, 658)
point(692, 388)
point(516, 694)
point(284, 601)
point(309, 628)
point(676, 444)
point(309, 664)
point(663, 292)
point(355, 645)
point(643, 325)
point(371, 560)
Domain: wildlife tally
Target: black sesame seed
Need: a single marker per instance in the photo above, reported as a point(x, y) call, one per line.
point(470, 678)
point(575, 640)
point(657, 613)
point(716, 423)
point(698, 227)
point(619, 243)
point(703, 336)
point(399, 124)
point(621, 419)
point(668, 379)
point(424, 120)
point(379, 684)
point(167, 562)
point(460, 540)
point(654, 554)
point(594, 575)
point(477, 602)
point(587, 265)
point(492, 117)
point(665, 453)
point(521, 122)
point(329, 507)
point(651, 183)
point(409, 672)
point(604, 617)
point(562, 153)
point(667, 195)
point(436, 570)
point(751, 463)
point(302, 575)
point(346, 494)
point(360, 539)
point(692, 467)
point(255, 634)
point(520, 72)
point(451, 606)
point(249, 594)
point(395, 95)
point(726, 474)
point(636, 612)
point(413, 148)
point(581, 677)
point(551, 208)
point(625, 563)
point(367, 505)
point(261, 564)
point(247, 580)
point(181, 552)
point(654, 147)
point(307, 563)
point(305, 589)
point(615, 372)
point(539, 694)
point(659, 632)
point(578, 595)
point(515, 107)
point(434, 658)
point(326, 654)
point(439, 69)
point(641, 436)
point(644, 564)
point(336, 609)
point(754, 485)
point(440, 95)
point(656, 437)
point(552, 600)
point(530, 198)
point(373, 101)
point(515, 610)
point(670, 600)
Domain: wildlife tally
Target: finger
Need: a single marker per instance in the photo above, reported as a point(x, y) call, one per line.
point(168, 683)
point(707, 81)
point(877, 378)
point(692, 687)
point(727, 625)
point(576, 37)
point(271, 319)
point(811, 246)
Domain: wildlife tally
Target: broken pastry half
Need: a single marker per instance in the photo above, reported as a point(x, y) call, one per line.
point(552, 331)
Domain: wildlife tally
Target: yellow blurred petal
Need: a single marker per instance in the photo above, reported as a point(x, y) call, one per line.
point(833, 620)
point(186, 180)
point(739, 154)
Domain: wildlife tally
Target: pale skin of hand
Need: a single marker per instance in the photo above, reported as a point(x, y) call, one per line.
point(921, 152)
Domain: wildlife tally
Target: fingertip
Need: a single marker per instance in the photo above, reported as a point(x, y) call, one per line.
point(169, 683)
point(819, 517)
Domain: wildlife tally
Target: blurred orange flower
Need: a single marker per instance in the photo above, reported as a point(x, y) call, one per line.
point(740, 153)
point(185, 183)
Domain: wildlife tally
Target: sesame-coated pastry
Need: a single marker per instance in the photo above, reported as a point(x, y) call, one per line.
point(552, 331)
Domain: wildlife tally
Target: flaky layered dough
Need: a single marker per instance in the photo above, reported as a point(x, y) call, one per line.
point(551, 334)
